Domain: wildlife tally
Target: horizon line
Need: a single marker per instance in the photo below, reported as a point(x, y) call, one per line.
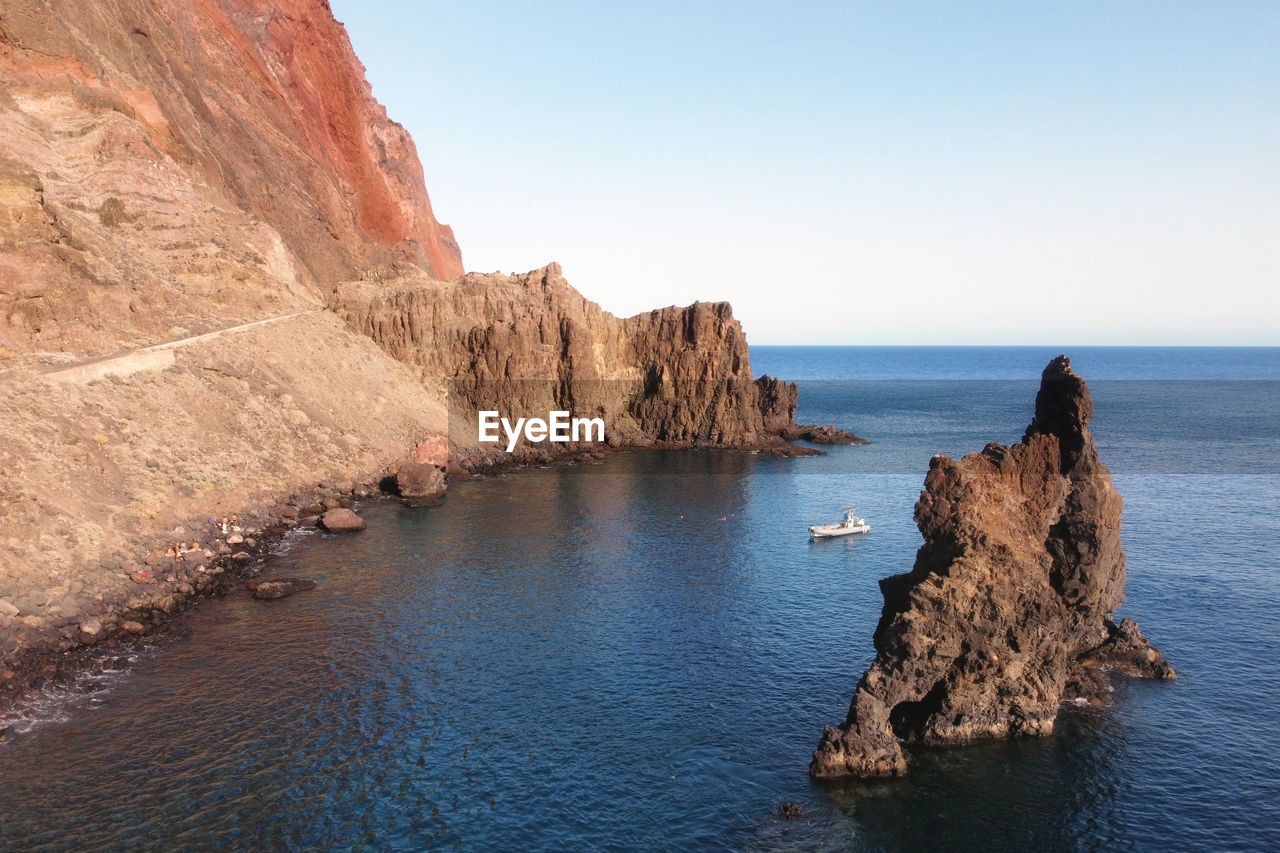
point(1019, 346)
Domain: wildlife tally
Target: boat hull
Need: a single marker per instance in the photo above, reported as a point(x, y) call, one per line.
point(830, 531)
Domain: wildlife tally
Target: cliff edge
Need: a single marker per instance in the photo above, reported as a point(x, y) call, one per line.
point(223, 290)
point(1007, 611)
point(170, 167)
point(531, 343)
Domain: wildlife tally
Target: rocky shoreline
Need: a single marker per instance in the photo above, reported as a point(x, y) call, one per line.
point(53, 640)
point(221, 348)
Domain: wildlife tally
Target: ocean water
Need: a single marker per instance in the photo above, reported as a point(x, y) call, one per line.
point(641, 654)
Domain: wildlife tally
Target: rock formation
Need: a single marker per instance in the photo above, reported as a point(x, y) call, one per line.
point(184, 189)
point(778, 401)
point(829, 434)
point(530, 344)
point(1007, 612)
point(341, 520)
point(182, 165)
point(419, 483)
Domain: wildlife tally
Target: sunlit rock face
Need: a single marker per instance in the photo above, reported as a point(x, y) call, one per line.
point(192, 164)
point(1007, 611)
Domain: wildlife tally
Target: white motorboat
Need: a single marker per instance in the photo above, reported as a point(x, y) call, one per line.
point(851, 524)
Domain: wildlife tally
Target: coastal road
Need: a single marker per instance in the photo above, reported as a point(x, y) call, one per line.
point(155, 357)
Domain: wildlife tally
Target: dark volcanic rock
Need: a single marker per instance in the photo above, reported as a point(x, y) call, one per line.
point(697, 386)
point(419, 482)
point(829, 434)
point(777, 401)
point(340, 520)
point(530, 344)
point(1007, 611)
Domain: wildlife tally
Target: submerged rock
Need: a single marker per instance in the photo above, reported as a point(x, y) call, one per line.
point(1007, 611)
point(270, 589)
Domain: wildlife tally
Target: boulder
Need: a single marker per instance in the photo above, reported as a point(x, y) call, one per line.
point(90, 631)
point(419, 482)
point(341, 520)
point(29, 606)
point(434, 453)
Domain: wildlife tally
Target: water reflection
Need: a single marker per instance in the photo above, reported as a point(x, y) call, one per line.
point(1043, 794)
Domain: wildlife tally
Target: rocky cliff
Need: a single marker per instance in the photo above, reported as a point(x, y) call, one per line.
point(1007, 611)
point(528, 344)
point(184, 190)
point(170, 167)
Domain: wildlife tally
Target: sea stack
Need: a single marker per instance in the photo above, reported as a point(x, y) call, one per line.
point(1007, 611)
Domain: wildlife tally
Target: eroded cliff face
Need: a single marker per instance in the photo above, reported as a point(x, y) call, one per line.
point(171, 167)
point(203, 174)
point(528, 344)
point(1007, 612)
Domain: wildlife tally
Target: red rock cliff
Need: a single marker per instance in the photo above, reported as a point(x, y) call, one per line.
point(161, 157)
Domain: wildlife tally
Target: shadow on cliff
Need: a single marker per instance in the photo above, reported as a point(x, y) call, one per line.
point(1007, 611)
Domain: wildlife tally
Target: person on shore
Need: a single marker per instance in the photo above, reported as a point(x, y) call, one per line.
point(226, 526)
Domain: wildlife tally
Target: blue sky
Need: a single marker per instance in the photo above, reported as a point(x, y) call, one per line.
point(857, 173)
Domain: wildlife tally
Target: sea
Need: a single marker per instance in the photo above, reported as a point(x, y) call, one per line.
point(641, 653)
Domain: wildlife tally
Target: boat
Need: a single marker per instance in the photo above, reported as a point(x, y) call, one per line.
point(851, 524)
